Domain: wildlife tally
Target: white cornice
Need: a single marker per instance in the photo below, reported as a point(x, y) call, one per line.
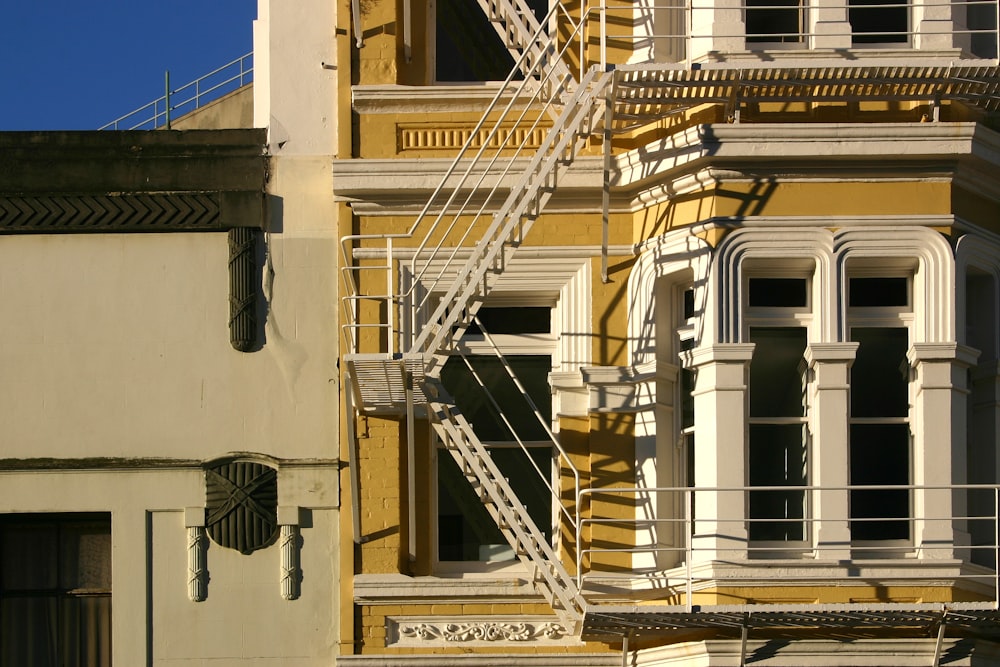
point(707, 155)
point(423, 99)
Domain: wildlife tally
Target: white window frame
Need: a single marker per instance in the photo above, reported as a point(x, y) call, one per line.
point(780, 317)
point(901, 317)
point(508, 345)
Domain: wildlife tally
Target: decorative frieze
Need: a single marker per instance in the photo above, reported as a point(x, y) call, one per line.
point(487, 631)
point(422, 137)
point(51, 213)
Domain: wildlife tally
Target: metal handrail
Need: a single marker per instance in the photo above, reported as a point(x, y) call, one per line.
point(195, 94)
point(686, 549)
point(601, 12)
point(533, 408)
point(514, 100)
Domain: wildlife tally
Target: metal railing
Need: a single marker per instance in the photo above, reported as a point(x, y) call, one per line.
point(186, 98)
point(472, 184)
point(675, 31)
point(682, 541)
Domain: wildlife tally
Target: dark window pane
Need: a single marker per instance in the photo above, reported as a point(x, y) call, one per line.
point(468, 48)
point(688, 304)
point(874, 292)
point(531, 370)
point(30, 551)
point(29, 631)
point(55, 605)
point(687, 398)
point(875, 25)
point(776, 386)
point(879, 375)
point(778, 292)
point(466, 531)
point(773, 21)
point(516, 320)
point(777, 458)
point(880, 456)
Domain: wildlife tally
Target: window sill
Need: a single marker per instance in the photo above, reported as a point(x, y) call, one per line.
point(400, 588)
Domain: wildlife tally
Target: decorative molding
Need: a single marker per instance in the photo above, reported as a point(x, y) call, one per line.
point(393, 98)
point(242, 501)
point(488, 631)
point(110, 213)
point(423, 137)
point(288, 519)
point(244, 285)
point(197, 575)
point(555, 658)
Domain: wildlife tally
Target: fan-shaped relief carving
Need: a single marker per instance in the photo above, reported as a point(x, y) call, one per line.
point(241, 505)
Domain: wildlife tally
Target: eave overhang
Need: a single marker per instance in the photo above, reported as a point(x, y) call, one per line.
point(137, 181)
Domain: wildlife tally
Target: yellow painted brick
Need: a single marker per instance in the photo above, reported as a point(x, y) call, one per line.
point(446, 609)
point(480, 609)
point(415, 609)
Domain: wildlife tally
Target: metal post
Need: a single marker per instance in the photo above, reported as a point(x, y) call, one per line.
point(609, 110)
point(996, 548)
point(688, 546)
point(407, 31)
point(604, 35)
point(394, 342)
point(745, 630)
point(411, 465)
point(166, 98)
point(352, 458)
point(940, 638)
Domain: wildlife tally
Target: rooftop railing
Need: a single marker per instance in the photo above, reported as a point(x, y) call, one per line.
point(682, 31)
point(184, 99)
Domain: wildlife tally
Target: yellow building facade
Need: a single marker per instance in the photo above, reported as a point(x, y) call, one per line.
point(669, 332)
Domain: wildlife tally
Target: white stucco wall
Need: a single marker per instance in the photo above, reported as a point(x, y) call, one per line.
point(295, 75)
point(118, 345)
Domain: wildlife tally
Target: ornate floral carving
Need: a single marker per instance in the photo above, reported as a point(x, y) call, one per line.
point(489, 631)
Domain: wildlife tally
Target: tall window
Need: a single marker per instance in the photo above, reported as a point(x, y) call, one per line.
point(466, 531)
point(55, 590)
point(879, 21)
point(777, 314)
point(467, 45)
point(774, 21)
point(982, 464)
point(878, 310)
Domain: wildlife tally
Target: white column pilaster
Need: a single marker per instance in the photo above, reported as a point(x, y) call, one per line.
point(716, 26)
point(829, 364)
point(939, 443)
point(720, 406)
point(829, 24)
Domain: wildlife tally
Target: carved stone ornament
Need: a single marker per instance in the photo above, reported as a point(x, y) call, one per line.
point(241, 505)
point(481, 632)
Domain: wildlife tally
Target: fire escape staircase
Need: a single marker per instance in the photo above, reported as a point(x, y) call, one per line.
point(539, 91)
point(456, 311)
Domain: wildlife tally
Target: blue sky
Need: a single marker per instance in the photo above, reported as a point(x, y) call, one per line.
point(76, 65)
